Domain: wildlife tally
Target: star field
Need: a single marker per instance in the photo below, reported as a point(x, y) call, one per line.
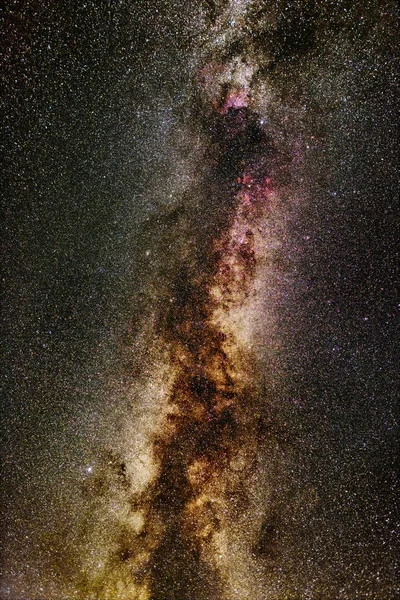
point(200, 259)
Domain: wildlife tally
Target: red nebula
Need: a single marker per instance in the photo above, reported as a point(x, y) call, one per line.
point(255, 190)
point(235, 99)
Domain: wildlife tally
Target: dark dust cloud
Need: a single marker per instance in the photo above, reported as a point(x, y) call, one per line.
point(200, 259)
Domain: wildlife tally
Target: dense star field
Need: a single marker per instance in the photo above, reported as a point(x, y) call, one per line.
point(200, 301)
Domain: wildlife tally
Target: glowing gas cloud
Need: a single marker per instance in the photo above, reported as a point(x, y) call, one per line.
point(196, 526)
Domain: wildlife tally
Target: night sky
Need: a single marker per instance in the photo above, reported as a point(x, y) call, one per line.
point(199, 299)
